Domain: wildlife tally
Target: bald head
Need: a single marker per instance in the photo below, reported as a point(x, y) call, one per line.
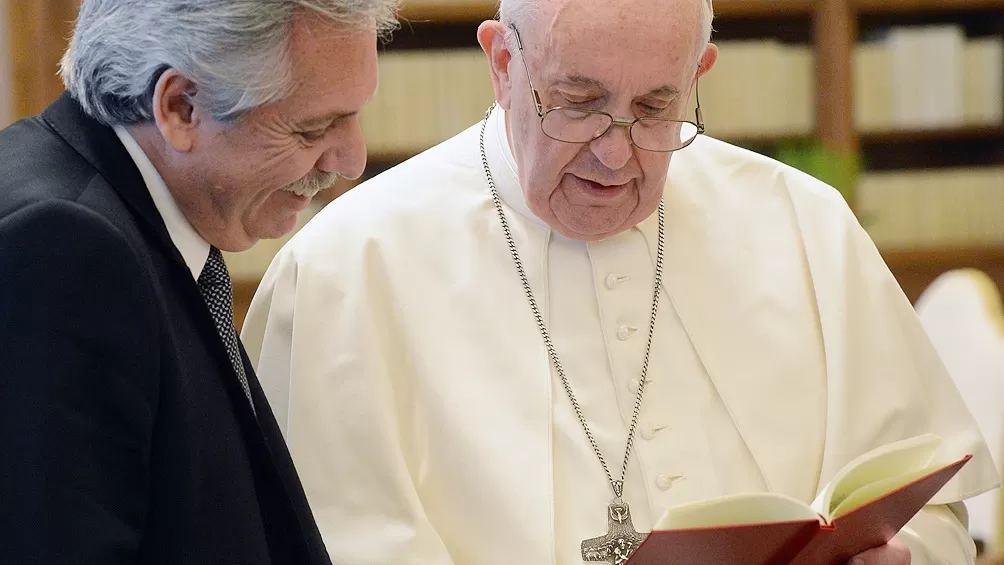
point(522, 12)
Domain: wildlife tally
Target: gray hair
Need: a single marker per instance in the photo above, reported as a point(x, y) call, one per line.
point(521, 11)
point(236, 51)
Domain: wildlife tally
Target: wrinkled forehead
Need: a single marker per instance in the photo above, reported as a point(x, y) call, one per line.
point(617, 40)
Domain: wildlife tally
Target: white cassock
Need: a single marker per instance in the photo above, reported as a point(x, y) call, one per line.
point(400, 355)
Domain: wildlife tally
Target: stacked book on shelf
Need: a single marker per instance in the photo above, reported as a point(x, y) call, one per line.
point(425, 97)
point(759, 88)
point(928, 77)
point(933, 208)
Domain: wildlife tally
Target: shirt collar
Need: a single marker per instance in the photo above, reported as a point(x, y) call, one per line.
point(193, 247)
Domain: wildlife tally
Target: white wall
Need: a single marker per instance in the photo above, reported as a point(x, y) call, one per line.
point(6, 70)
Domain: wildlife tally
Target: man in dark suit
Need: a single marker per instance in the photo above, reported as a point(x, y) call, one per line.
point(132, 427)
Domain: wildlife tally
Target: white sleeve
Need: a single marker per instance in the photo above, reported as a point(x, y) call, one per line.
point(938, 536)
point(885, 379)
point(325, 352)
point(897, 349)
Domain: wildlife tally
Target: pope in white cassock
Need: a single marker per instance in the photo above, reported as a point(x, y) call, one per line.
point(461, 350)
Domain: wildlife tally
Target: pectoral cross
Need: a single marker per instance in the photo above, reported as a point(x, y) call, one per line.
point(620, 542)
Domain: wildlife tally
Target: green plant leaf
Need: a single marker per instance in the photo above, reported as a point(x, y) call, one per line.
point(837, 169)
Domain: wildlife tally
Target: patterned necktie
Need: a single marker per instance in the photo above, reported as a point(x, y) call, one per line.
point(214, 282)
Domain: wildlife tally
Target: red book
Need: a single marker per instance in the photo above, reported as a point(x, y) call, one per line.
point(864, 506)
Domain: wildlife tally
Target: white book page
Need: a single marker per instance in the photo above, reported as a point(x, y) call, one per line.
point(892, 460)
point(733, 510)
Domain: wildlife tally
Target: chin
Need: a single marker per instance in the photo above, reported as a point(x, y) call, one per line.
point(587, 233)
point(582, 229)
point(277, 228)
point(240, 246)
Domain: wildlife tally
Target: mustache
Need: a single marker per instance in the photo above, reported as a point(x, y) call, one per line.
point(313, 183)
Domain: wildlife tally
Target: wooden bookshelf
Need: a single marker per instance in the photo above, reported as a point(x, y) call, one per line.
point(836, 31)
point(916, 269)
point(911, 7)
point(964, 134)
point(762, 8)
point(977, 146)
point(460, 11)
point(36, 45)
point(442, 24)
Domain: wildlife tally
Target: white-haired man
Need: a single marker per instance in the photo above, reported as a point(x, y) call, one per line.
point(132, 428)
point(488, 353)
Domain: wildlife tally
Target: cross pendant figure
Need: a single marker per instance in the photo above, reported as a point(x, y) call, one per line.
point(620, 541)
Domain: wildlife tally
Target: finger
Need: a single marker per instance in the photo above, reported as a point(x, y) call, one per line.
point(893, 553)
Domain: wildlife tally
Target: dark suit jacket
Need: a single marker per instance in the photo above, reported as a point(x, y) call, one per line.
point(125, 435)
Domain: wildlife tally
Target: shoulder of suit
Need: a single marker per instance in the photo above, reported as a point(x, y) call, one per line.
point(39, 166)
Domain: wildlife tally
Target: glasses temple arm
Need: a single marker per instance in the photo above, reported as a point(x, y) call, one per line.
point(526, 69)
point(697, 111)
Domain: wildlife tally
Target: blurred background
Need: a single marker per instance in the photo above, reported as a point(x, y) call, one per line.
point(899, 104)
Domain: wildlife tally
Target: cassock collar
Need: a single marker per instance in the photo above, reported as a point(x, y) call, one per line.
point(193, 247)
point(503, 165)
point(506, 176)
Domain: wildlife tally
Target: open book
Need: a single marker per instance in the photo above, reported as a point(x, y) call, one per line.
point(864, 506)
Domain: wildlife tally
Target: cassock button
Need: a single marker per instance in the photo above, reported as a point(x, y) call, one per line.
point(665, 482)
point(633, 385)
point(613, 280)
point(648, 432)
point(625, 332)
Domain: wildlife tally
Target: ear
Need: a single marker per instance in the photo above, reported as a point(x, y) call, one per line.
point(708, 59)
point(491, 36)
point(173, 112)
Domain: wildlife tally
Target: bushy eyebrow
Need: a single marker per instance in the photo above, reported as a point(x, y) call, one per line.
point(580, 80)
point(326, 120)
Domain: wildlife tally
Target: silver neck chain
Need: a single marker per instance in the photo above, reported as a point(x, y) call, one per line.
point(616, 485)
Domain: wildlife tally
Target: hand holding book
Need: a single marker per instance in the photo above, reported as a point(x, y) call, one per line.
point(894, 552)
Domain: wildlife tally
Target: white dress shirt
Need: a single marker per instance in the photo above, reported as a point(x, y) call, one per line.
point(193, 247)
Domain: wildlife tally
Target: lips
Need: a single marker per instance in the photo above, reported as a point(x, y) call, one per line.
point(295, 201)
point(585, 192)
point(604, 184)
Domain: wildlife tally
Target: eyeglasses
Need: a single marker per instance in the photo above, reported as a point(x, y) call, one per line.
point(572, 125)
